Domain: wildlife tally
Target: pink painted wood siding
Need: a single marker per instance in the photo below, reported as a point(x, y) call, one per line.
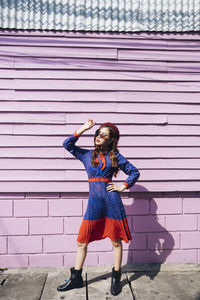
point(50, 83)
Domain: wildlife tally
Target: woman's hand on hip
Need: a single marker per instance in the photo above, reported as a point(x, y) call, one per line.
point(113, 188)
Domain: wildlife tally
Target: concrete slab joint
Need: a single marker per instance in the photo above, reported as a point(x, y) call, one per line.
point(142, 281)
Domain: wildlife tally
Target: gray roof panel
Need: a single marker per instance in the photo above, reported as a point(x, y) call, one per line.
point(103, 15)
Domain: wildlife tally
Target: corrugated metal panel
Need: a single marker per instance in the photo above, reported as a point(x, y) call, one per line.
point(104, 15)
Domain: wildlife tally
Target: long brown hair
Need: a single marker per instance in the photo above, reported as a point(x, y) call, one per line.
point(111, 147)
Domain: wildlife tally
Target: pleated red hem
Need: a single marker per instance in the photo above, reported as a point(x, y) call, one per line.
point(92, 230)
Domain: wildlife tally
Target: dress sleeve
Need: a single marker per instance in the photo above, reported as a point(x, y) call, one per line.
point(69, 145)
point(129, 169)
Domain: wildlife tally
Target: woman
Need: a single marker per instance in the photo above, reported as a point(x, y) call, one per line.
point(105, 215)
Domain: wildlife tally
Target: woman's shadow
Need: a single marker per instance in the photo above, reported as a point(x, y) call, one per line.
point(151, 243)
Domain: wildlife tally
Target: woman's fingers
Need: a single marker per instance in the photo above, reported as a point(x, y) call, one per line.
point(111, 187)
point(91, 123)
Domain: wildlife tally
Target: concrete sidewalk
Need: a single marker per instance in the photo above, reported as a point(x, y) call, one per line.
point(140, 282)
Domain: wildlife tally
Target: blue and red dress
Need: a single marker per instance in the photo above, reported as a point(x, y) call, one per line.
point(105, 215)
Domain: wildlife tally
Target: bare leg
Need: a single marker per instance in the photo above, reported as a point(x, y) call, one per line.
point(76, 280)
point(80, 255)
point(117, 249)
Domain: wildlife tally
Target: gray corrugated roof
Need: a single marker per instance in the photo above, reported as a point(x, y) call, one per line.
point(103, 15)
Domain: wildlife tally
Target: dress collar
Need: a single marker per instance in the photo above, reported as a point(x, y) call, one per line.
point(103, 159)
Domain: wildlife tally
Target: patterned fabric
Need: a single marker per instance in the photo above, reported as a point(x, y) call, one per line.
point(104, 15)
point(105, 215)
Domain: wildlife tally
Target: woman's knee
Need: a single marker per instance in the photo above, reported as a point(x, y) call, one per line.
point(82, 245)
point(117, 243)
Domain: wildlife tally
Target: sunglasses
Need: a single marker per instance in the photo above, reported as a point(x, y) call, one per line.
point(102, 135)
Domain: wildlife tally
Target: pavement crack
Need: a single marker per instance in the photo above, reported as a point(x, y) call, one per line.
point(2, 282)
point(43, 286)
point(131, 289)
point(86, 287)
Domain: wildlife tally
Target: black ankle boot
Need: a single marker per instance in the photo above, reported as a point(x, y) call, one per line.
point(116, 287)
point(75, 281)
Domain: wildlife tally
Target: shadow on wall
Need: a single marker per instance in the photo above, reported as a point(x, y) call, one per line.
point(151, 242)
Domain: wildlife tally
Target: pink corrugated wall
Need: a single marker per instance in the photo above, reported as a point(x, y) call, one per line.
point(50, 83)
